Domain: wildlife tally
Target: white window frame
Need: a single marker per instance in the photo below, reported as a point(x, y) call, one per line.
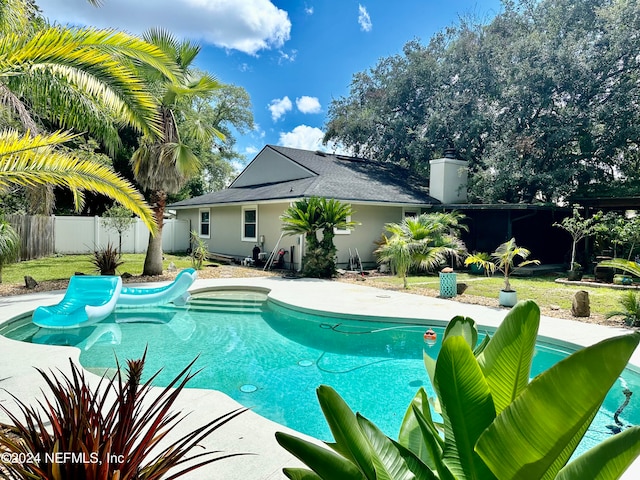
point(343, 231)
point(200, 222)
point(410, 212)
point(244, 209)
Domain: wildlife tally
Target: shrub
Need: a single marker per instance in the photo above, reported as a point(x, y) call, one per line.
point(106, 260)
point(116, 438)
point(629, 309)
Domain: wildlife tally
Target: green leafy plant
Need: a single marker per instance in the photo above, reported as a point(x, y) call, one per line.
point(496, 423)
point(307, 217)
point(9, 244)
point(119, 219)
point(503, 259)
point(112, 436)
point(629, 304)
point(424, 242)
point(579, 228)
point(106, 260)
point(199, 251)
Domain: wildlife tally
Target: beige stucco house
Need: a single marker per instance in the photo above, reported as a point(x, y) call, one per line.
point(235, 220)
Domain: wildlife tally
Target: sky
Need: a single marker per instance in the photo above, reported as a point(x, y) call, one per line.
point(292, 57)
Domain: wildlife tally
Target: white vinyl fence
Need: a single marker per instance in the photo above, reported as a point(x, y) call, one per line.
point(77, 235)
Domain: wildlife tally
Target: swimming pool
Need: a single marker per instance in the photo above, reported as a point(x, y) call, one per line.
point(272, 358)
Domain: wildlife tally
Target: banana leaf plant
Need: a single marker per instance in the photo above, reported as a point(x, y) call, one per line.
point(496, 423)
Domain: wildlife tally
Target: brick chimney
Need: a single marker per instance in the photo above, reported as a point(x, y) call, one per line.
point(448, 178)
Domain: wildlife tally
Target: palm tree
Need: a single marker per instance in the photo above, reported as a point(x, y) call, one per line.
point(629, 304)
point(303, 218)
point(34, 160)
point(334, 215)
point(424, 242)
point(78, 78)
point(163, 165)
point(9, 244)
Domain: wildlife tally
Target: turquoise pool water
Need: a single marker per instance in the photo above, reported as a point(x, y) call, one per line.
point(272, 359)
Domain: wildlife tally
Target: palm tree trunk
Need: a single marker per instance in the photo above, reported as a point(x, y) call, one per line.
point(153, 259)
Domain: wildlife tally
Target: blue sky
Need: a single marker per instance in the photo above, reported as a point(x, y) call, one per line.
point(292, 57)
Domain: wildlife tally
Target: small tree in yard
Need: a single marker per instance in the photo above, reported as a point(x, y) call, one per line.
point(579, 228)
point(119, 219)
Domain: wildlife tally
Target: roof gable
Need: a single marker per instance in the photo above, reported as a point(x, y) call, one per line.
point(270, 166)
point(285, 174)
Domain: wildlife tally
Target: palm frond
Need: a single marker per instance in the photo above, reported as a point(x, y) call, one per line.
point(28, 161)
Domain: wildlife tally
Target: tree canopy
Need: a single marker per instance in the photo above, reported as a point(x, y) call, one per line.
point(542, 100)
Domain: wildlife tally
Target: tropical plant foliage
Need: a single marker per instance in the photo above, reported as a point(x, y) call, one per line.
point(308, 216)
point(119, 219)
point(199, 250)
point(425, 242)
point(107, 260)
point(162, 165)
point(9, 244)
point(496, 424)
point(503, 260)
point(117, 428)
point(34, 160)
point(629, 310)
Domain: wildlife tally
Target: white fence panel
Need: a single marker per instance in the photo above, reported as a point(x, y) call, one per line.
point(79, 235)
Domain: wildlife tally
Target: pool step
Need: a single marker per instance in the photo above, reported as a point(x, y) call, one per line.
point(225, 304)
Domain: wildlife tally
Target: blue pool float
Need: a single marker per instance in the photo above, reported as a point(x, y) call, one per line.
point(88, 300)
point(176, 292)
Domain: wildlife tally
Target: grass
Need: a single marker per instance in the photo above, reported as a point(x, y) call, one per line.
point(543, 289)
point(63, 267)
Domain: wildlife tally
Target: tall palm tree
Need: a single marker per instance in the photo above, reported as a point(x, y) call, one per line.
point(163, 165)
point(424, 242)
point(35, 160)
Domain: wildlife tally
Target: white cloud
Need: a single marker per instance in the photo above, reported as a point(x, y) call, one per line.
point(287, 57)
point(304, 137)
point(310, 138)
point(279, 106)
point(364, 19)
point(248, 26)
point(308, 104)
point(308, 10)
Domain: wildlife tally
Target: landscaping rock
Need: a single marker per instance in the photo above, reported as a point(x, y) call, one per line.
point(172, 267)
point(461, 287)
point(580, 306)
point(30, 282)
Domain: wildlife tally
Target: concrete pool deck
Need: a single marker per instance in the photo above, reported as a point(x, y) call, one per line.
point(250, 432)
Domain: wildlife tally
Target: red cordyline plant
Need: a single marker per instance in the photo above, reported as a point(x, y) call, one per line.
point(85, 433)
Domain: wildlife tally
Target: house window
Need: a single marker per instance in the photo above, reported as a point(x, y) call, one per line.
point(205, 223)
point(410, 212)
point(343, 231)
point(250, 223)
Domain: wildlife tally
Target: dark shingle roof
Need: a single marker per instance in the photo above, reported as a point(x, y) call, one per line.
point(335, 176)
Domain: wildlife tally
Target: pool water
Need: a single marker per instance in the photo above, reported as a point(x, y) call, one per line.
point(272, 359)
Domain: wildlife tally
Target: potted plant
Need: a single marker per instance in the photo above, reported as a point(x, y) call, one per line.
point(503, 260)
point(579, 228)
point(477, 268)
point(575, 274)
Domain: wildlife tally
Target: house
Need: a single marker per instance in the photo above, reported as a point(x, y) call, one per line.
point(235, 220)
point(247, 213)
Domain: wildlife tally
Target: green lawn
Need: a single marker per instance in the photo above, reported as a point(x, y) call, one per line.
point(63, 267)
point(544, 290)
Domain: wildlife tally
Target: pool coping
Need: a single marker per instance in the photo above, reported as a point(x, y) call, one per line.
point(250, 432)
